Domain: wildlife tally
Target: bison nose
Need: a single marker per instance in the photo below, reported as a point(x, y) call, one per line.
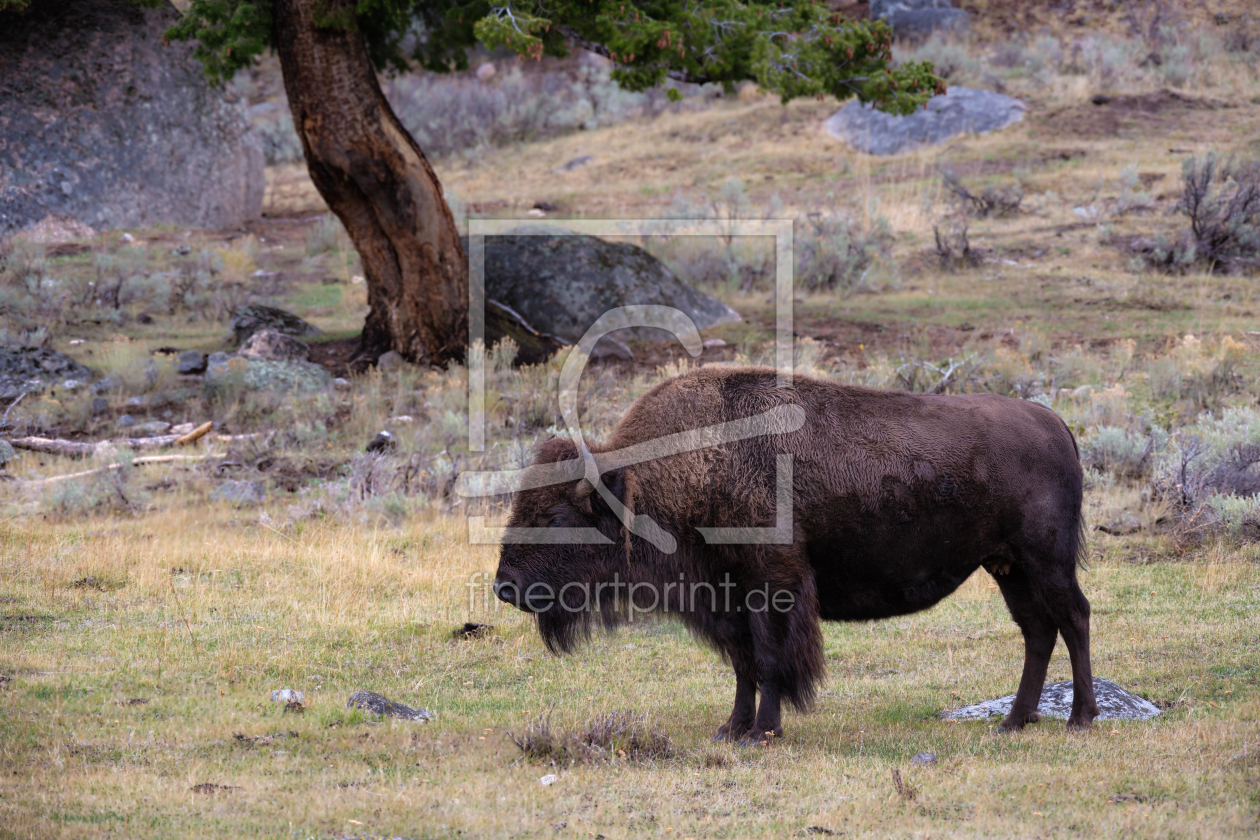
point(507, 591)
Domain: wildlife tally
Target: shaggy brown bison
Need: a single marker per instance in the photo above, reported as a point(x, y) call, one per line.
point(896, 499)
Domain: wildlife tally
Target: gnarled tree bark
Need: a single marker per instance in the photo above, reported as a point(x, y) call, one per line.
point(375, 179)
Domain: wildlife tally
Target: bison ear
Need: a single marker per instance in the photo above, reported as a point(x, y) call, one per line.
point(615, 481)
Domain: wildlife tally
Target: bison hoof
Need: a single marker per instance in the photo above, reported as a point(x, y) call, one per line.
point(728, 733)
point(760, 739)
point(1014, 724)
point(1080, 724)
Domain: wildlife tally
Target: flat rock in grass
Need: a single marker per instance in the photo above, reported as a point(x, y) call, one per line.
point(36, 368)
point(561, 283)
point(956, 112)
point(224, 370)
point(1114, 703)
point(6, 453)
point(370, 701)
point(255, 317)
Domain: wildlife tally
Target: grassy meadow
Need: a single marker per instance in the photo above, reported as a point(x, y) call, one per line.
point(143, 625)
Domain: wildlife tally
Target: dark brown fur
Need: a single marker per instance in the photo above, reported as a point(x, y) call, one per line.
point(899, 498)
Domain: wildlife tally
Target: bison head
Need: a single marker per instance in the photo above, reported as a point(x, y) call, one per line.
point(572, 578)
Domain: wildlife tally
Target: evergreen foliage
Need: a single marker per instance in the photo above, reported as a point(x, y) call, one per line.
point(803, 49)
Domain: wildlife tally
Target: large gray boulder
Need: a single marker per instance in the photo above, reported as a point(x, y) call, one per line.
point(36, 368)
point(958, 111)
point(561, 283)
point(102, 122)
point(917, 20)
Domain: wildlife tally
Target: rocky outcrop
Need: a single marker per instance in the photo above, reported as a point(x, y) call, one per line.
point(958, 111)
point(102, 122)
point(36, 368)
point(917, 20)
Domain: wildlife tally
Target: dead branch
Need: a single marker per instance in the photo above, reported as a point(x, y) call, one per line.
point(196, 434)
point(138, 462)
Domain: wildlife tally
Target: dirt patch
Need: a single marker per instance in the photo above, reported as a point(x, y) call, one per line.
point(338, 355)
point(1112, 116)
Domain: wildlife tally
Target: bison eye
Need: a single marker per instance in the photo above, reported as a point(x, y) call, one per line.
point(555, 520)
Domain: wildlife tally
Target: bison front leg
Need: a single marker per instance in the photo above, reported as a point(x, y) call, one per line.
point(742, 715)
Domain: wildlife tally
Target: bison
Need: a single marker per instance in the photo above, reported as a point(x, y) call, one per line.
point(896, 499)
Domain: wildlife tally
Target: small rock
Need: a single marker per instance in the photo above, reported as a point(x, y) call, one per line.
point(127, 238)
point(191, 362)
point(486, 72)
point(570, 165)
point(210, 787)
point(923, 759)
point(71, 385)
point(152, 427)
point(104, 386)
point(239, 492)
point(548, 780)
point(6, 453)
point(100, 405)
point(183, 428)
point(287, 695)
point(383, 442)
point(714, 342)
point(370, 701)
point(473, 630)
point(402, 419)
point(138, 401)
point(270, 344)
point(390, 361)
point(341, 384)
point(124, 421)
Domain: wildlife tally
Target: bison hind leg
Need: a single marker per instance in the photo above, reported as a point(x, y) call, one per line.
point(1040, 634)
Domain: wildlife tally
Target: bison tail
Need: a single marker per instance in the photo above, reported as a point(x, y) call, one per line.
point(796, 663)
point(1079, 549)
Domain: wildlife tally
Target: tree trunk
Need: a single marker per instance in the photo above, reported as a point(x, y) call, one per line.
point(376, 179)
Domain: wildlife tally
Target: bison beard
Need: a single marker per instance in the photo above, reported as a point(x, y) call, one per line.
point(898, 499)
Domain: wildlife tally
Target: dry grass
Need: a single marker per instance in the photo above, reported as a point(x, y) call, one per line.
point(203, 614)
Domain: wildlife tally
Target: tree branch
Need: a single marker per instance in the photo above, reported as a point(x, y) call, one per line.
point(599, 49)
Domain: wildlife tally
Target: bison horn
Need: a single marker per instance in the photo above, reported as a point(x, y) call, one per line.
point(584, 489)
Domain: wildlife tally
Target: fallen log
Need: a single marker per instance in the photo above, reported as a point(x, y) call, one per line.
point(81, 449)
